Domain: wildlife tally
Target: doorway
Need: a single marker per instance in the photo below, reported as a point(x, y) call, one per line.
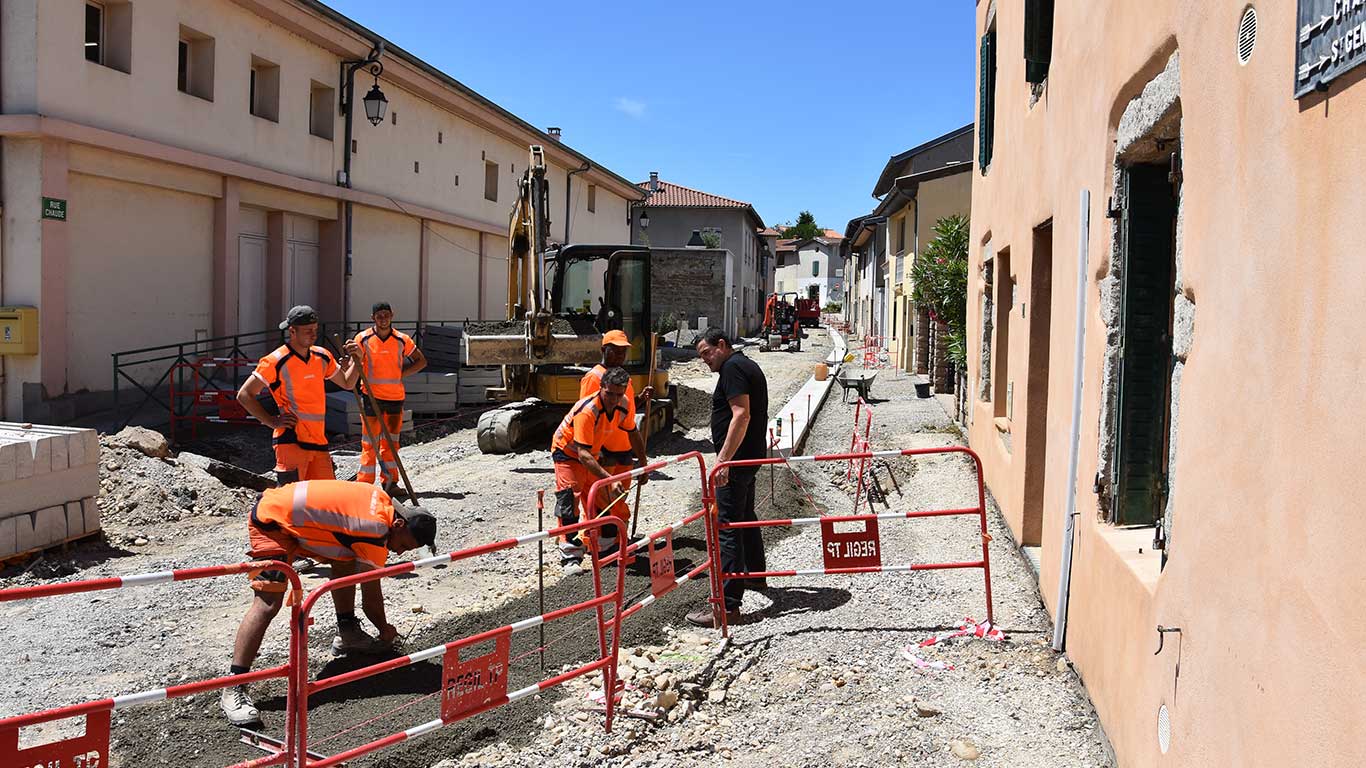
point(1148, 248)
point(1037, 307)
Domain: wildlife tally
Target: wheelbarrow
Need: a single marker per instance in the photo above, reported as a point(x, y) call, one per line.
point(859, 382)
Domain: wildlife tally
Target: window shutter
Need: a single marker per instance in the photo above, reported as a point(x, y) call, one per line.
point(985, 96)
point(1038, 39)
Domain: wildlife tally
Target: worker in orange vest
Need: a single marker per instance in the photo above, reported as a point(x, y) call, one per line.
point(295, 374)
point(575, 449)
point(387, 356)
point(620, 446)
point(353, 526)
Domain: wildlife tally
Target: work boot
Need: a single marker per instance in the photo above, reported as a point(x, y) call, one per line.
point(238, 706)
point(353, 639)
point(706, 617)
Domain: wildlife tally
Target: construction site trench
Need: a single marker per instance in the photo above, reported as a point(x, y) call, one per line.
point(813, 676)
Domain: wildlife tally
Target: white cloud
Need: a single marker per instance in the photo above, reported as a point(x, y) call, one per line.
point(630, 107)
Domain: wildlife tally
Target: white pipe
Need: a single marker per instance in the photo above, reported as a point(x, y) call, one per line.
point(1070, 508)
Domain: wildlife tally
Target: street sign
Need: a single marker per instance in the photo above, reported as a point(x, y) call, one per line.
point(54, 209)
point(1330, 39)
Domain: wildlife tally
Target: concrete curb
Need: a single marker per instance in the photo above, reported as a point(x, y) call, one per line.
point(799, 412)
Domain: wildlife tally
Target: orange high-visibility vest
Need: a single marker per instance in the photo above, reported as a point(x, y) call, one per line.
point(588, 425)
point(331, 519)
point(384, 362)
point(297, 384)
point(616, 448)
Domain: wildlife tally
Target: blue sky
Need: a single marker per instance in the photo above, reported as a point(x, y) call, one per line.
point(786, 105)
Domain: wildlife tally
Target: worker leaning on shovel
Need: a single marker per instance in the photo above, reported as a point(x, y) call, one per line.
point(353, 527)
point(621, 446)
point(387, 356)
point(295, 374)
point(575, 450)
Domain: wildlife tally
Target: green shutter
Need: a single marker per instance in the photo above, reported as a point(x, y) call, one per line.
point(986, 99)
point(1038, 39)
point(1145, 360)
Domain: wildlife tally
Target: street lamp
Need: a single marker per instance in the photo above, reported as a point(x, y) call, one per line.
point(644, 219)
point(375, 104)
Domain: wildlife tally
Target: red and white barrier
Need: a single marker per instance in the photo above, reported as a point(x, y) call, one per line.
point(92, 748)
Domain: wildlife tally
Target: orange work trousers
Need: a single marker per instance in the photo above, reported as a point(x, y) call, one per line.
point(386, 461)
point(293, 463)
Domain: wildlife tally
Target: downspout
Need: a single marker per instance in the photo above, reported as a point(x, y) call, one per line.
point(1069, 509)
point(568, 187)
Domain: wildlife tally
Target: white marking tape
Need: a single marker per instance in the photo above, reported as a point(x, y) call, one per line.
point(806, 521)
point(964, 628)
point(161, 577)
point(138, 699)
point(429, 653)
point(532, 537)
point(427, 562)
point(646, 601)
point(425, 728)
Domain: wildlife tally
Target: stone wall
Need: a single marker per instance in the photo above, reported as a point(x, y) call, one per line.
point(689, 283)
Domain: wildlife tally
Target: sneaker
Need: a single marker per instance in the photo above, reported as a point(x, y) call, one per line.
point(706, 617)
point(572, 566)
point(354, 640)
point(571, 548)
point(238, 706)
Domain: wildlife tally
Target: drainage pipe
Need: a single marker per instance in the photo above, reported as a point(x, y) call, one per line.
point(1070, 508)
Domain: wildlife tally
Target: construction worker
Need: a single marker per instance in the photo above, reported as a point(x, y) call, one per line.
point(621, 446)
point(353, 526)
point(385, 354)
point(295, 374)
point(575, 449)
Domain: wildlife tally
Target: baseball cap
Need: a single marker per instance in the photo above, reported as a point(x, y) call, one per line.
point(300, 315)
point(421, 523)
point(616, 339)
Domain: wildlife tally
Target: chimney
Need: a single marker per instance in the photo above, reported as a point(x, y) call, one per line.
point(554, 132)
point(654, 181)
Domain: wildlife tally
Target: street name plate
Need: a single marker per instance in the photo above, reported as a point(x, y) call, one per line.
point(1330, 39)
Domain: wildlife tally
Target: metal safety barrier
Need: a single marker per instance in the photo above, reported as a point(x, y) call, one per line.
point(854, 551)
point(91, 750)
point(469, 686)
point(659, 544)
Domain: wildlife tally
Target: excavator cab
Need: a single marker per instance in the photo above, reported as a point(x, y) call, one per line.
point(609, 284)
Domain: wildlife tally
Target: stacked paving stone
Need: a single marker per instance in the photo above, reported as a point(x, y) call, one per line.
point(343, 415)
point(49, 477)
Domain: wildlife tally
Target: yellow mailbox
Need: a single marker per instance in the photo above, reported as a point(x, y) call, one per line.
point(18, 330)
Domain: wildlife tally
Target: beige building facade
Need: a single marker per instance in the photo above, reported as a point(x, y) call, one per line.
point(1160, 225)
point(197, 147)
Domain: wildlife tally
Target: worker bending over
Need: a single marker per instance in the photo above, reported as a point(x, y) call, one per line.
point(353, 526)
point(575, 450)
point(620, 445)
point(295, 374)
point(384, 354)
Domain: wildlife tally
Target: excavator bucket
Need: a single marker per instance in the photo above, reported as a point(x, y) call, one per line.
point(511, 343)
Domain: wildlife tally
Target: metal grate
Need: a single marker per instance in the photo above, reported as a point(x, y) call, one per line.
point(1247, 34)
point(1164, 729)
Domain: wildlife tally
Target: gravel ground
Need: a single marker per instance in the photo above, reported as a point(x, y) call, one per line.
point(68, 649)
point(816, 661)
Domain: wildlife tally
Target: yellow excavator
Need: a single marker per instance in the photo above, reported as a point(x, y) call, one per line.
point(553, 332)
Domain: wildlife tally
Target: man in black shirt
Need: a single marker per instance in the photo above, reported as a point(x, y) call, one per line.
point(739, 414)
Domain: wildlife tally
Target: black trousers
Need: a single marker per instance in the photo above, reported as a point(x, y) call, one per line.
point(742, 550)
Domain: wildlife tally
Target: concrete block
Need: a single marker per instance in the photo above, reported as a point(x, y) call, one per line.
point(90, 510)
point(38, 491)
point(75, 450)
point(23, 533)
point(7, 543)
point(49, 525)
point(23, 466)
point(92, 446)
point(8, 461)
point(41, 450)
point(75, 519)
point(58, 446)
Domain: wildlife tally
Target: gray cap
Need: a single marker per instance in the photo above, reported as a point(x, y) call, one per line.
point(422, 524)
point(300, 315)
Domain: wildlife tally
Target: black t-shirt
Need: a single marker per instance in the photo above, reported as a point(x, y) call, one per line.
point(741, 376)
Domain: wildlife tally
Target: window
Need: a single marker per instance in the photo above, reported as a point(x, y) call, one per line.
point(94, 32)
point(490, 181)
point(194, 63)
point(815, 268)
point(901, 235)
point(1004, 301)
point(109, 34)
point(986, 99)
point(321, 101)
point(417, 168)
point(592, 198)
point(393, 117)
point(265, 89)
point(1038, 39)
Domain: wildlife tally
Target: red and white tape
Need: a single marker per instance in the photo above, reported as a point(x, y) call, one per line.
point(965, 628)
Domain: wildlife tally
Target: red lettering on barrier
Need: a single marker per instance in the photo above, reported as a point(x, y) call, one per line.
point(662, 564)
point(468, 685)
point(851, 549)
point(87, 751)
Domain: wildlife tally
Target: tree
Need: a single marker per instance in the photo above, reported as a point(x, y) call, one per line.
point(940, 277)
point(804, 229)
